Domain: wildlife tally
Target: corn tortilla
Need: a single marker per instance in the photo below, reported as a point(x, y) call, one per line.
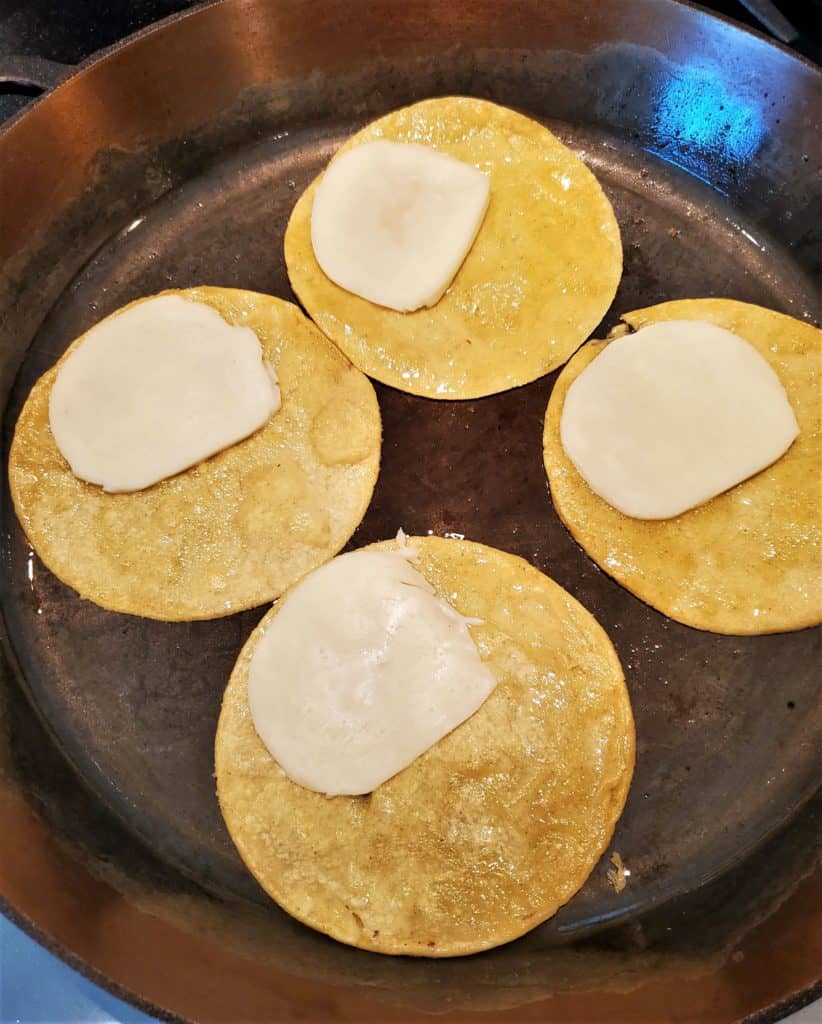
point(540, 276)
point(492, 829)
point(235, 530)
point(747, 561)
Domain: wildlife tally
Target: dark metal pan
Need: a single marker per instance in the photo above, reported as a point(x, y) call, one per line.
point(173, 160)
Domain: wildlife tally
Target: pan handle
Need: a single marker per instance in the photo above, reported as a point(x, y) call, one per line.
point(33, 72)
point(769, 15)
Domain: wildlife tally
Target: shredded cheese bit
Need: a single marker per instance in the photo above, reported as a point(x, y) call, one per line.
point(619, 874)
point(404, 547)
point(412, 554)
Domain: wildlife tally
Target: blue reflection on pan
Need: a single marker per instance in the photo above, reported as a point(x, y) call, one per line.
point(700, 125)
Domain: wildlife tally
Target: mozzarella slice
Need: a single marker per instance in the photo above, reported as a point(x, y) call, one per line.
point(393, 222)
point(361, 670)
point(155, 389)
point(667, 418)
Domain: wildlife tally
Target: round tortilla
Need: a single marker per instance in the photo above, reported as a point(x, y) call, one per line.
point(540, 276)
point(491, 830)
point(234, 531)
point(747, 561)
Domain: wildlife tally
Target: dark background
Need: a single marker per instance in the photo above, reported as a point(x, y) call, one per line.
point(71, 30)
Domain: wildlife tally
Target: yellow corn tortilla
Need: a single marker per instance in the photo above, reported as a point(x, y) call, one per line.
point(540, 276)
point(748, 561)
point(235, 530)
point(492, 829)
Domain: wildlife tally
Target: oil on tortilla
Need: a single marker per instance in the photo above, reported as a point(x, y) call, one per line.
point(492, 829)
point(235, 530)
point(540, 276)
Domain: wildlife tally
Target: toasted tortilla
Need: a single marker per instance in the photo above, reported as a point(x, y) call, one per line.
point(749, 560)
point(492, 829)
point(235, 530)
point(540, 276)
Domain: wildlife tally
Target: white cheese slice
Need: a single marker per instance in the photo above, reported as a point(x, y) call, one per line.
point(667, 418)
point(393, 222)
point(158, 388)
point(361, 670)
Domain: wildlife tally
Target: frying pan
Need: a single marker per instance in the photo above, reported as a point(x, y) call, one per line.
point(174, 159)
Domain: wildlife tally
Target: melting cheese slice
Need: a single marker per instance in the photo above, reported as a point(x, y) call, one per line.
point(667, 418)
point(155, 389)
point(361, 670)
point(393, 222)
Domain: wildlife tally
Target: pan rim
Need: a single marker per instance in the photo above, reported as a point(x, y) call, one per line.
point(29, 926)
point(99, 56)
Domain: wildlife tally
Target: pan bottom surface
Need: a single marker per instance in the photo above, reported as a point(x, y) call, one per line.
point(725, 725)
